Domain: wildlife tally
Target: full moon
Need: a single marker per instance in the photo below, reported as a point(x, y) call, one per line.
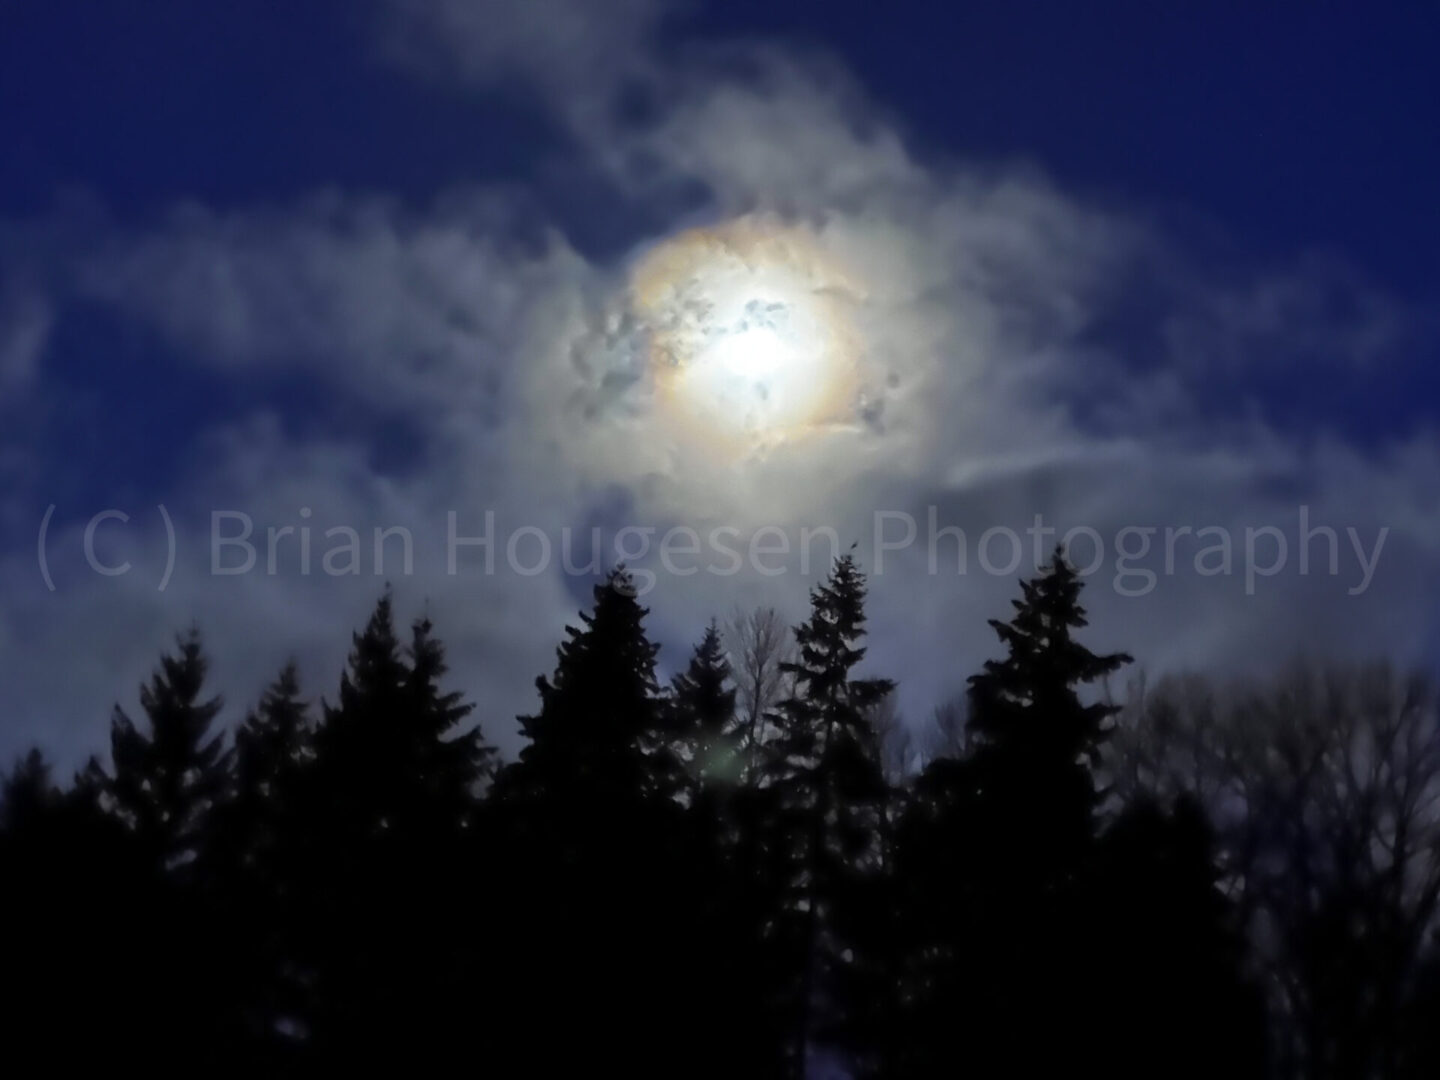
point(747, 330)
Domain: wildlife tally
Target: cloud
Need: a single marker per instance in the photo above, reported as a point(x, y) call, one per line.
point(560, 47)
point(412, 310)
point(26, 319)
point(1025, 351)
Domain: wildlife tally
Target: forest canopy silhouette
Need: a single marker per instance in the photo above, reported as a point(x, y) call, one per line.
point(758, 869)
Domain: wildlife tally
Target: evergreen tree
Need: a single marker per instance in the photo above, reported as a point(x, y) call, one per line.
point(600, 715)
point(447, 765)
point(829, 793)
point(362, 733)
point(604, 901)
point(1036, 742)
point(386, 807)
point(703, 705)
point(1027, 926)
point(345, 898)
point(388, 749)
point(272, 746)
point(166, 783)
point(163, 783)
point(27, 795)
point(256, 853)
point(728, 977)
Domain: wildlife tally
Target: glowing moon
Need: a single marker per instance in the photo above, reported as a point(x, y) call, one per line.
point(753, 354)
point(747, 330)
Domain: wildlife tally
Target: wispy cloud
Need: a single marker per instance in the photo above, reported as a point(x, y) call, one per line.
point(1010, 373)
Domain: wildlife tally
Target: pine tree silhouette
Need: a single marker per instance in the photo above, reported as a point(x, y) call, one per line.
point(1032, 940)
point(28, 795)
point(996, 916)
point(1037, 744)
point(604, 882)
point(346, 892)
point(272, 747)
point(362, 738)
point(387, 805)
point(600, 715)
point(727, 984)
point(388, 749)
point(703, 707)
point(829, 792)
point(164, 782)
point(446, 765)
point(254, 855)
point(165, 785)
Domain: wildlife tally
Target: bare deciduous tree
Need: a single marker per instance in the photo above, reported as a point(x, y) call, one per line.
point(758, 642)
point(1324, 786)
point(893, 739)
point(947, 735)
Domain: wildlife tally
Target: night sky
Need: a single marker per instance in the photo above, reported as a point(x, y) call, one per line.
point(359, 265)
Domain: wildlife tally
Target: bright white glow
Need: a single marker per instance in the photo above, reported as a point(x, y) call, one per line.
point(751, 354)
point(754, 375)
point(746, 327)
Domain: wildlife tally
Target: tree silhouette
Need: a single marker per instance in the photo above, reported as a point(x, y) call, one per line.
point(703, 705)
point(996, 854)
point(28, 795)
point(759, 644)
point(1172, 950)
point(272, 748)
point(254, 860)
point(731, 876)
point(591, 742)
point(1037, 742)
point(164, 782)
point(829, 791)
point(162, 790)
point(603, 881)
point(444, 765)
point(381, 829)
point(1037, 745)
point(1324, 780)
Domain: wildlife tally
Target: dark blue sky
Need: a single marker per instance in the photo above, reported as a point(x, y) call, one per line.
point(1292, 126)
point(1295, 126)
point(1280, 130)
point(1261, 131)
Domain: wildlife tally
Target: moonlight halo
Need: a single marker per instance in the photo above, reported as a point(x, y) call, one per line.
point(747, 331)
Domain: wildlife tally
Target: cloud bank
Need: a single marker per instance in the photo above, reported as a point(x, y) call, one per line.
point(1026, 351)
